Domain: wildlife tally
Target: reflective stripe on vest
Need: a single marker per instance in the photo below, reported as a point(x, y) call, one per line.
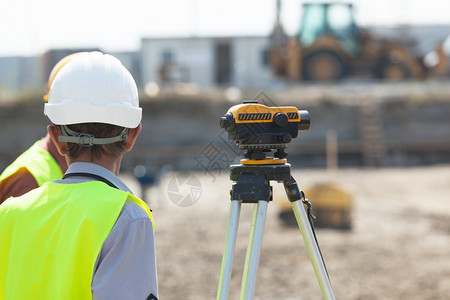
point(39, 162)
point(51, 238)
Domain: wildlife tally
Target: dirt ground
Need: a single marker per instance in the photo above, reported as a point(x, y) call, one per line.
point(398, 247)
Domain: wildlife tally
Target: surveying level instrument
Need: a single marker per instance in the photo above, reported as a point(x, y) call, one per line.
point(263, 132)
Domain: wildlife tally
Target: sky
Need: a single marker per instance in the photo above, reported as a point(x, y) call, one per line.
point(30, 27)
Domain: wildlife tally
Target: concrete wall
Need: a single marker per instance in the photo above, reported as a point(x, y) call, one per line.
point(183, 133)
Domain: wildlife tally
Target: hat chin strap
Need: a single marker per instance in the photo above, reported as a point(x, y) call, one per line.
point(87, 139)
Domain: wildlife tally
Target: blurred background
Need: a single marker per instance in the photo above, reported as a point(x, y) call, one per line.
point(374, 75)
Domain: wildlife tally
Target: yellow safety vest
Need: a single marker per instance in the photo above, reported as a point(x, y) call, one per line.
point(39, 162)
point(52, 236)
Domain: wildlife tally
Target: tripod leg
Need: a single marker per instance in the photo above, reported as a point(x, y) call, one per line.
point(313, 249)
point(253, 250)
point(228, 253)
point(296, 198)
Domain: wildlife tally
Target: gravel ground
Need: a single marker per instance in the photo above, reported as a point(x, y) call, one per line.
point(397, 249)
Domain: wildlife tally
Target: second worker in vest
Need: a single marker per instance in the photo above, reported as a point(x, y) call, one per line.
point(84, 236)
point(39, 163)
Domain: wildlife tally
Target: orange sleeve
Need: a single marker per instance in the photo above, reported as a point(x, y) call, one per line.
point(17, 184)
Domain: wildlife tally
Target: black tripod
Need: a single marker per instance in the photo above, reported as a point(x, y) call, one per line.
point(252, 185)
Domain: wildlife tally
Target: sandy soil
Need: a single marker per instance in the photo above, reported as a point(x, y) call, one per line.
point(398, 248)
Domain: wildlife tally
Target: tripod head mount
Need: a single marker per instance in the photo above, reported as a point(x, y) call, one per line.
point(259, 129)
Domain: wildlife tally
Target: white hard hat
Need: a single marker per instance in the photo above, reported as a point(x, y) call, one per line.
point(64, 61)
point(94, 88)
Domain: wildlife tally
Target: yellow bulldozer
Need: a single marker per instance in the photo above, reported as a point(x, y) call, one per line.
point(330, 46)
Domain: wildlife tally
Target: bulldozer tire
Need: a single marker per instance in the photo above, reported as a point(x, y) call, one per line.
point(392, 70)
point(323, 65)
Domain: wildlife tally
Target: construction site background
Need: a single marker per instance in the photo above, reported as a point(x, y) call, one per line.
point(377, 124)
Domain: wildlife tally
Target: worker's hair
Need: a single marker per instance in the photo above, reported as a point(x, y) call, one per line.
point(98, 130)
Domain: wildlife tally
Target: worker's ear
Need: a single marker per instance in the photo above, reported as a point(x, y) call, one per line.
point(132, 136)
point(55, 133)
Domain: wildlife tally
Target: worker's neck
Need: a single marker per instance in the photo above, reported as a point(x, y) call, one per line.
point(112, 164)
point(47, 144)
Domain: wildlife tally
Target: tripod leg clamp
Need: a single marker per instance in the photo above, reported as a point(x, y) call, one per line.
point(294, 194)
point(292, 190)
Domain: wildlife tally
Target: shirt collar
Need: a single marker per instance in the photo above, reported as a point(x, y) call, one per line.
point(86, 167)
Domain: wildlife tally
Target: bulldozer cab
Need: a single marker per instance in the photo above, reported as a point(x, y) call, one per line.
point(331, 19)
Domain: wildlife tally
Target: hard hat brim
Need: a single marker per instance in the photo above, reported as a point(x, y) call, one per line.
point(75, 112)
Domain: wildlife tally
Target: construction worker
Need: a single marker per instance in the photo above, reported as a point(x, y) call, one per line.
point(84, 236)
point(39, 164)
